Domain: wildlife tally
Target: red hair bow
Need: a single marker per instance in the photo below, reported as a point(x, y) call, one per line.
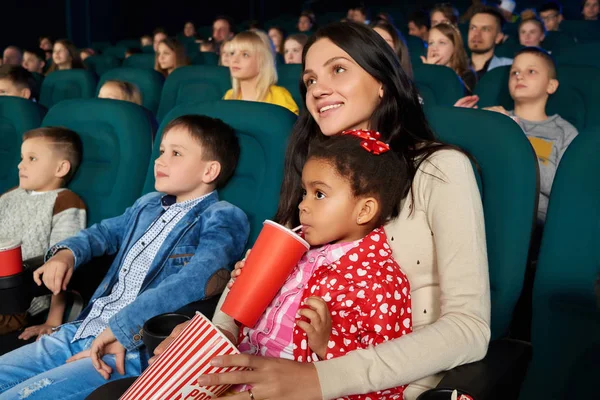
point(371, 142)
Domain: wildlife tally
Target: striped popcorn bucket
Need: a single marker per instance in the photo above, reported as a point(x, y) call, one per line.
point(175, 373)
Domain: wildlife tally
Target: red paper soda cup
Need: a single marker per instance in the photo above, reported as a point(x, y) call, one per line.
point(11, 261)
point(174, 375)
point(275, 254)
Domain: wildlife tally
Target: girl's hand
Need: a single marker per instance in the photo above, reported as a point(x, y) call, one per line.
point(430, 60)
point(467, 102)
point(237, 270)
point(319, 328)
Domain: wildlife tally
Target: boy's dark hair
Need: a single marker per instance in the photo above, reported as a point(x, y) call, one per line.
point(449, 11)
point(382, 176)
point(36, 51)
point(158, 30)
point(494, 12)
point(543, 54)
point(19, 77)
point(218, 140)
point(551, 6)
point(65, 141)
point(420, 18)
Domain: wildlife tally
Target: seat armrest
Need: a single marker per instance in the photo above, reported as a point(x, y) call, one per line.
point(498, 376)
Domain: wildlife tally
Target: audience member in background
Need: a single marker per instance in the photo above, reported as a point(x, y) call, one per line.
point(225, 53)
point(531, 32)
point(169, 56)
point(443, 13)
point(590, 9)
point(360, 14)
point(17, 81)
point(34, 60)
point(65, 56)
point(41, 211)
point(551, 14)
point(532, 81)
point(198, 155)
point(223, 29)
point(292, 48)
point(277, 36)
point(396, 40)
point(507, 7)
point(158, 36)
point(446, 48)
point(146, 40)
point(253, 73)
point(306, 21)
point(131, 51)
point(46, 44)
point(485, 32)
point(189, 30)
point(120, 90)
point(12, 56)
point(419, 24)
point(85, 53)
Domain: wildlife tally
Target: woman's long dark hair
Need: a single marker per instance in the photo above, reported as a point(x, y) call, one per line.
point(399, 117)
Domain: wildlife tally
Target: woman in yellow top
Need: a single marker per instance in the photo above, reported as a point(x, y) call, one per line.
point(253, 73)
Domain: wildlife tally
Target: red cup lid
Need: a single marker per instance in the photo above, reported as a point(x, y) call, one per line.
point(288, 231)
point(9, 244)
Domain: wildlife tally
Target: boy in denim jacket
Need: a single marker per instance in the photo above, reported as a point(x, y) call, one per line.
point(171, 249)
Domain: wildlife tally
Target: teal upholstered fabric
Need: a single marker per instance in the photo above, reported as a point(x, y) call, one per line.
point(17, 116)
point(509, 180)
point(117, 141)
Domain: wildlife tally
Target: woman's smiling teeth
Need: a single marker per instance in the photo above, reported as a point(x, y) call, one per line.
point(329, 107)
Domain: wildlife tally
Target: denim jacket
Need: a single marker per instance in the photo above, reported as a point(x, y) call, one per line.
point(204, 244)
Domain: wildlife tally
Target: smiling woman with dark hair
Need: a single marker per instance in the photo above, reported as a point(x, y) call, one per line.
point(352, 80)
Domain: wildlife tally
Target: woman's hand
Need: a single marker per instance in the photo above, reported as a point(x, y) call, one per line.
point(237, 270)
point(270, 378)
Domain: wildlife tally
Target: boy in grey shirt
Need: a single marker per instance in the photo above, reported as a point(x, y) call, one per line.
point(532, 80)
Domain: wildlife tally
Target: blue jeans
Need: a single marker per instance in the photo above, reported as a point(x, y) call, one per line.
point(38, 370)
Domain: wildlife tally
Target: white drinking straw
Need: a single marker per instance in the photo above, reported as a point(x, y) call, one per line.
point(297, 229)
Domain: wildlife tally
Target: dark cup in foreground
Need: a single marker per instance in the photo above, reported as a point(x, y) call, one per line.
point(158, 328)
point(441, 394)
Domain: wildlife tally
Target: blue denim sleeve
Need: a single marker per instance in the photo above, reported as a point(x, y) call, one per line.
point(223, 236)
point(102, 238)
